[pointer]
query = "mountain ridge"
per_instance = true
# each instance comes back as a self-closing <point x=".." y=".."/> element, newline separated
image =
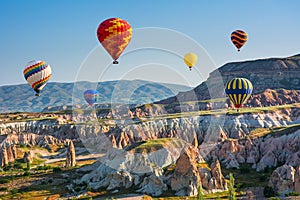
<point x="15" y="98"/>
<point x="267" y="73"/>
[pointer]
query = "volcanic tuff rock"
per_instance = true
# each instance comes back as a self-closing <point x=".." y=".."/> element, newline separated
<point x="285" y="179"/>
<point x="270" y="73"/>
<point x="209" y="128"/>
<point x="70" y="155"/>
<point x="186" y="177"/>
<point x="8" y="152"/>
<point x="28" y="157"/>
<point x="274" y="97"/>
<point x="261" y="152"/>
<point x="120" y="168"/>
<point x="144" y="171"/>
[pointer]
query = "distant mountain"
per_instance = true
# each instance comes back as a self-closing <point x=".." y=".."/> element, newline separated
<point x="270" y="73"/>
<point x="16" y="98"/>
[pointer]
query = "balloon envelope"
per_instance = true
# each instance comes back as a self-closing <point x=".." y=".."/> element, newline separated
<point x="190" y="59"/>
<point x="114" y="34"/>
<point x="238" y="90"/>
<point x="37" y="73"/>
<point x="239" y="38"/>
<point x="91" y="96"/>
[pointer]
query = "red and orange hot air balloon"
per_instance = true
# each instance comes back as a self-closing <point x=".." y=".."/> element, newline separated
<point x="239" y="38"/>
<point x="114" y="34"/>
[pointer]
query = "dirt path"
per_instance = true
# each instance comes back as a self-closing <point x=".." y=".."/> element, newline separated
<point x="78" y="158"/>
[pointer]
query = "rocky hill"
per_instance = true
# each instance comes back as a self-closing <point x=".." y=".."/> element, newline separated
<point x="270" y="73"/>
<point x="20" y="98"/>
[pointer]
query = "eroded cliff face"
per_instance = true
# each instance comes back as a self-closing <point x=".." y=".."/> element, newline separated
<point x="8" y="143"/>
<point x="154" y="174"/>
<point x="260" y="152"/>
<point x="198" y="130"/>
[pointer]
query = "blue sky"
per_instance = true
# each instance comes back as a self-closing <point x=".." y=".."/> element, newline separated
<point x="63" y="33"/>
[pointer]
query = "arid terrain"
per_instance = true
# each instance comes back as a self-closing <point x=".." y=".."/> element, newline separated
<point x="160" y="150"/>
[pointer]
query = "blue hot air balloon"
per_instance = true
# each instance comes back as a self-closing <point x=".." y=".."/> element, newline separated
<point x="91" y="96"/>
<point x="238" y="90"/>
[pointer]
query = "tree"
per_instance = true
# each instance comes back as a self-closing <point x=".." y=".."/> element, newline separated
<point x="231" y="187"/>
<point x="28" y="166"/>
<point x="200" y="195"/>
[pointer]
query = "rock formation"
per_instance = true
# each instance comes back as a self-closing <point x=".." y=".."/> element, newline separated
<point x="70" y="155"/>
<point x="28" y="157"/>
<point x="186" y="178"/>
<point x="260" y="152"/>
<point x="7" y="154"/>
<point x="297" y="180"/>
<point x="285" y="179"/>
<point x="3" y="157"/>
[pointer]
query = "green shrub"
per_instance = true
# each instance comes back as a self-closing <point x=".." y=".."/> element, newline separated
<point x="293" y="193"/>
<point x="26" y="173"/>
<point x="88" y="188"/>
<point x="56" y="169"/>
<point x="3" y="188"/>
<point x="273" y="198"/>
<point x="269" y="191"/>
<point x="44" y="167"/>
<point x="18" y="165"/>
<point x="4" y="180"/>
<point x="245" y="169"/>
<point x="14" y="191"/>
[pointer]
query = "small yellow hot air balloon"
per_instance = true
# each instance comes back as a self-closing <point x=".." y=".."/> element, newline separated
<point x="190" y="59"/>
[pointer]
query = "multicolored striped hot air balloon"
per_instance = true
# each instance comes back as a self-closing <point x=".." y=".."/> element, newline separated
<point x="114" y="34"/>
<point x="238" y="90"/>
<point x="190" y="60"/>
<point x="91" y="96"/>
<point x="37" y="73"/>
<point x="239" y="38"/>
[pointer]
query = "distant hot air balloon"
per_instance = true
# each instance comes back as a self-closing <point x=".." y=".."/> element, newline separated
<point x="114" y="34"/>
<point x="37" y="73"/>
<point x="238" y="90"/>
<point x="190" y="60"/>
<point x="91" y="96"/>
<point x="239" y="38"/>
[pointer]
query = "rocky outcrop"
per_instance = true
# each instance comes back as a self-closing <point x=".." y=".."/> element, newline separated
<point x="30" y="139"/>
<point x="121" y="169"/>
<point x="70" y="155"/>
<point x="144" y="171"/>
<point x="285" y="179"/>
<point x="28" y="157"/>
<point x="297" y="179"/>
<point x="274" y="97"/>
<point x="3" y="157"/>
<point x="261" y="152"/>
<point x="7" y="154"/>
<point x="217" y="180"/>
<point x="186" y="178"/>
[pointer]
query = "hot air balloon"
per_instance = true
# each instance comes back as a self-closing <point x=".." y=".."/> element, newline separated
<point x="238" y="90"/>
<point x="190" y="59"/>
<point x="114" y="34"/>
<point x="91" y="96"/>
<point x="239" y="38"/>
<point x="37" y="73"/>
